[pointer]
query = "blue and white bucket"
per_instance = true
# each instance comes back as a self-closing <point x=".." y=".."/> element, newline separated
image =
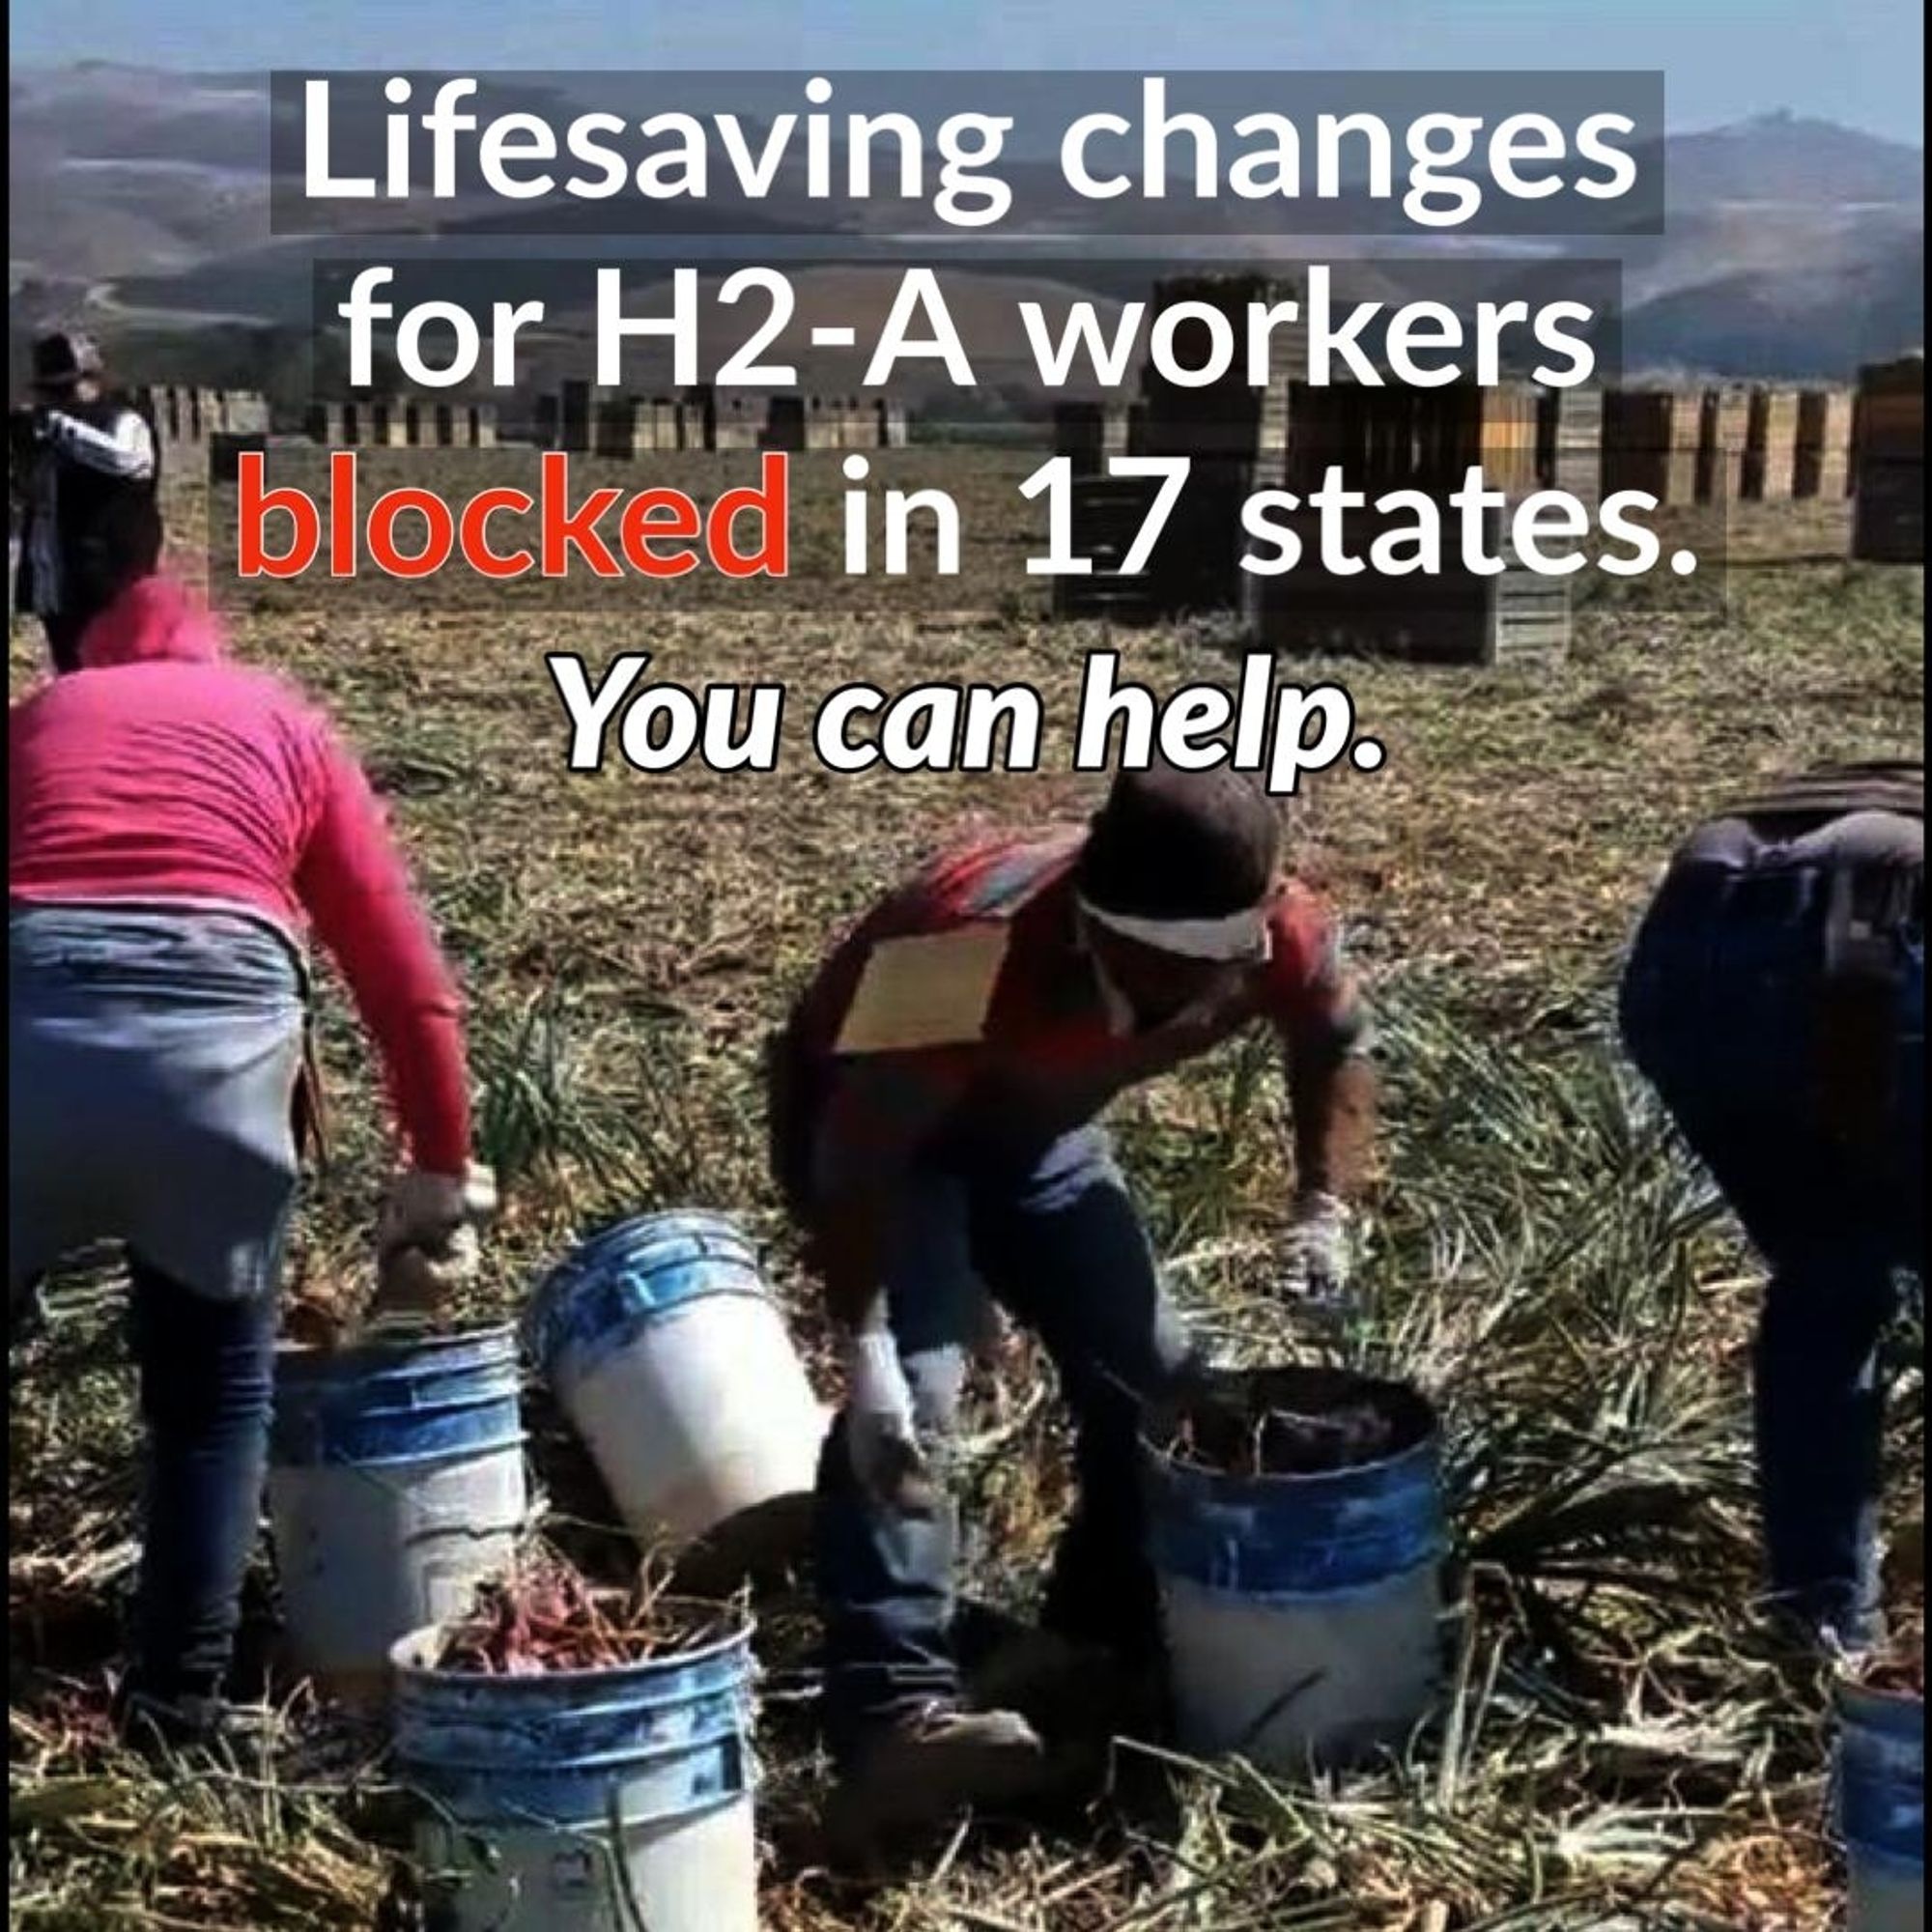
<point x="1882" y="1809"/>
<point x="396" y="1483"/>
<point x="1302" y="1613"/>
<point x="672" y="1361"/>
<point x="585" y="1801"/>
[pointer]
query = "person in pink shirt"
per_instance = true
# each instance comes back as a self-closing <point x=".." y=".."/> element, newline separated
<point x="178" y="825"/>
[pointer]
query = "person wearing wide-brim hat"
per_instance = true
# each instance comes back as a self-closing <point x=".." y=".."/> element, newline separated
<point x="92" y="519"/>
<point x="933" y="1114"/>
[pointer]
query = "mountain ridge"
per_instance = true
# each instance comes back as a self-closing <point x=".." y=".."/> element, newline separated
<point x="1794" y="246"/>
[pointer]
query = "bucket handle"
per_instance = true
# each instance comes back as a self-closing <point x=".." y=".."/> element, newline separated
<point x="622" y="1889"/>
<point x="1274" y="1707"/>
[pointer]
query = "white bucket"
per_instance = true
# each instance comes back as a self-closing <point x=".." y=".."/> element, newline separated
<point x="1361" y="1667"/>
<point x="585" y="1801"/>
<point x="1880" y="1807"/>
<point x="697" y="1874"/>
<point x="396" y="1483"/>
<point x="1302" y="1613"/>
<point x="674" y="1365"/>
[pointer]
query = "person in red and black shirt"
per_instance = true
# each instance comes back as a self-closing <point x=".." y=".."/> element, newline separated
<point x="933" y="1106"/>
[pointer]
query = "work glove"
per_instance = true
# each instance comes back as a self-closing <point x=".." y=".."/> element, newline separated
<point x="881" y="1435"/>
<point x="1316" y="1265"/>
<point x="426" y="1245"/>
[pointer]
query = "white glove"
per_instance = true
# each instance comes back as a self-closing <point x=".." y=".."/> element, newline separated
<point x="425" y="1211"/>
<point x="426" y="1244"/>
<point x="1315" y="1268"/>
<point x="881" y="1435"/>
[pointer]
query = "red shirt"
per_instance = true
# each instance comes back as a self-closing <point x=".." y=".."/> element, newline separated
<point x="1039" y="1054"/>
<point x="158" y="773"/>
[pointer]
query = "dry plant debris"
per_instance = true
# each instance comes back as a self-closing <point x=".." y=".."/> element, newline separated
<point x="544" y="1616"/>
<point x="1619" y="1744"/>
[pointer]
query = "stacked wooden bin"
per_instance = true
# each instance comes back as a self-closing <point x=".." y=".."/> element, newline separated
<point x="1385" y="438"/>
<point x="1651" y="443"/>
<point x="1723" y="425"/>
<point x="1888" y="486"/>
<point x="1569" y="443"/>
<point x="1820" y="464"/>
<point x="1232" y="434"/>
<point x="1771" y="447"/>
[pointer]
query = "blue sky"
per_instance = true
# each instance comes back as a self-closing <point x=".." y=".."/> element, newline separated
<point x="1855" y="60"/>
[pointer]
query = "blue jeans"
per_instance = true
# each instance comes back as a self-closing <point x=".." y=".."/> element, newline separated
<point x="207" y="1377"/>
<point x="1059" y="1244"/>
<point x="153" y="1051"/>
<point x="1719" y="1007"/>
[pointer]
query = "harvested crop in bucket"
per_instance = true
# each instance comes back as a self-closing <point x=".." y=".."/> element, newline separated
<point x="545" y="1617"/>
<point x="583" y="1758"/>
<point x="1301" y="1422"/>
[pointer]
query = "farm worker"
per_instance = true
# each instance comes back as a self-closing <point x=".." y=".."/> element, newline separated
<point x="934" y="1104"/>
<point x="175" y="823"/>
<point x="1776" y="998"/>
<point x="92" y="519"/>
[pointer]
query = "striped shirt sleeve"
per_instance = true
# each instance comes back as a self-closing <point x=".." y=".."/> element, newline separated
<point x="128" y="449"/>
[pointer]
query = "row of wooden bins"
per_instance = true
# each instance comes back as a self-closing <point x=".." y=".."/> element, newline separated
<point x="1888" y="492"/>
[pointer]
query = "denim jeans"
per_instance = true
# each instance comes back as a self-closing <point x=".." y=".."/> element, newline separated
<point x="1719" y="1007"/>
<point x="1059" y="1244"/>
<point x="207" y="1376"/>
<point x="153" y="1052"/>
<point x="152" y="1061"/>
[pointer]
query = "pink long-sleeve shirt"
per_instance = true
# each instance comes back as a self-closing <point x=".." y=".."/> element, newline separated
<point x="159" y="772"/>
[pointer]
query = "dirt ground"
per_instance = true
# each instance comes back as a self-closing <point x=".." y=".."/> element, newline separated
<point x="1620" y="1749"/>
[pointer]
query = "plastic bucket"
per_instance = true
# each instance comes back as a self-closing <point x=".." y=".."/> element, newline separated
<point x="673" y="1363"/>
<point x="1302" y="1613"/>
<point x="396" y="1483"/>
<point x="1882" y="1809"/>
<point x="585" y="1801"/>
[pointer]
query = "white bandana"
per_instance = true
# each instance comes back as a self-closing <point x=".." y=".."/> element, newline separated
<point x="1242" y="937"/>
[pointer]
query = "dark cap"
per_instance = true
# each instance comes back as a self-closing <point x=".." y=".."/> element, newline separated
<point x="65" y="357"/>
<point x="1175" y="845"/>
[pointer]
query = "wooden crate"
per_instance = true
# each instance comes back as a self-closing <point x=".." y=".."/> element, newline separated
<point x="1229" y="421"/>
<point x="1570" y="442"/>
<point x="1515" y="618"/>
<point x="1367" y="430"/>
<point x="1889" y="463"/>
<point x="573" y="417"/>
<point x="618" y="427"/>
<point x="1723" y="422"/>
<point x="1771" y="447"/>
<point x="710" y="420"/>
<point x="1891" y="411"/>
<point x="785" y="423"/>
<point x="1888" y="512"/>
<point x="1195" y="565"/>
<point x="1106" y="513"/>
<point x="1463" y="425"/>
<point x="1650" y="443"/>
<point x="839" y="422"/>
<point x="1088" y="433"/>
<point x="1221" y="424"/>
<point x="1821" y="459"/>
<point x="225" y="449"/>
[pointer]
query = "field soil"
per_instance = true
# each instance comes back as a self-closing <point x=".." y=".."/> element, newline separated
<point x="1621" y="1740"/>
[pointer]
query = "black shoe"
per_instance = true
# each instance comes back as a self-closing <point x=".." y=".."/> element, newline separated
<point x="161" y="1727"/>
<point x="921" y="1768"/>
